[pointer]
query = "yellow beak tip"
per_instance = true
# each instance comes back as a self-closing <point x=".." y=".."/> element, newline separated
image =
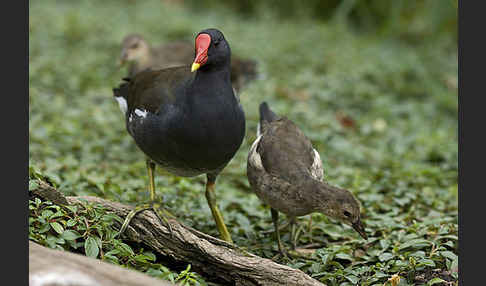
<point x="195" y="67"/>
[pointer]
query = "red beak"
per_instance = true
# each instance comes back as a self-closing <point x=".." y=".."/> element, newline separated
<point x="202" y="45"/>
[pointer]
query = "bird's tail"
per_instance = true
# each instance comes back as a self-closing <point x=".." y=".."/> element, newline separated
<point x="122" y="89"/>
<point x="266" y="116"/>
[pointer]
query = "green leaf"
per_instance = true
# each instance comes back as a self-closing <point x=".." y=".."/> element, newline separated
<point x="426" y="262"/>
<point x="344" y="256"/>
<point x="449" y="254"/>
<point x="334" y="231"/>
<point x="401" y="201"/>
<point x="142" y="258"/>
<point x="91" y="247"/>
<point x="70" y="235"/>
<point x="384" y="243"/>
<point x="126" y="248"/>
<point x="71" y="222"/>
<point x="112" y="258"/>
<point x="72" y="208"/>
<point x="44" y="228"/>
<point x="385" y="256"/>
<point x="435" y="281"/>
<point x="353" y="279"/>
<point x="113" y="252"/>
<point x="154" y="272"/>
<point x="33" y="185"/>
<point x="111" y="217"/>
<point x="419" y="254"/>
<point x="47" y="214"/>
<point x="454" y="237"/>
<point x="415" y="243"/>
<point x="315" y="267"/>
<point x="57" y="227"/>
<point x="449" y="243"/>
<point x="150" y="256"/>
<point x="53" y="241"/>
<point x="454" y="268"/>
<point x="56" y="214"/>
<point x="326" y="258"/>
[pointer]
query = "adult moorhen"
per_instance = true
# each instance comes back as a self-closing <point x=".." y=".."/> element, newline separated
<point x="285" y="172"/>
<point x="186" y="119"/>
<point x="141" y="56"/>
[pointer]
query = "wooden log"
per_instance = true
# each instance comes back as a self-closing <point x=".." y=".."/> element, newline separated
<point x="50" y="267"/>
<point x="210" y="256"/>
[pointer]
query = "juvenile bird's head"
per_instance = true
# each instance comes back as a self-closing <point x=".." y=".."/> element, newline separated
<point x="341" y="205"/>
<point x="134" y="48"/>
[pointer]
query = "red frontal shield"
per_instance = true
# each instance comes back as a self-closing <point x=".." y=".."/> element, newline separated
<point x="202" y="45"/>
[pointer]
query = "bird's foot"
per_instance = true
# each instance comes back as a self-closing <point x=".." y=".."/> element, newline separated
<point x="287" y="255"/>
<point x="159" y="211"/>
<point x="282" y="256"/>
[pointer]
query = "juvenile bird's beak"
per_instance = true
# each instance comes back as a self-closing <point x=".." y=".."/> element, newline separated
<point x="202" y="45"/>
<point x="358" y="226"/>
<point x="121" y="61"/>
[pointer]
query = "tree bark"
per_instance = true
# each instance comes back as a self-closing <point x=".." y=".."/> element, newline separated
<point x="50" y="267"/>
<point x="208" y="255"/>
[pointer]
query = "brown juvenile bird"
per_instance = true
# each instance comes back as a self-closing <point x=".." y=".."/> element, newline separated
<point x="285" y="172"/>
<point x="141" y="56"/>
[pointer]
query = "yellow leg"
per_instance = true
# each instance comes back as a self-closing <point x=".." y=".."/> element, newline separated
<point x="152" y="205"/>
<point x="150" y="171"/>
<point x="218" y="218"/>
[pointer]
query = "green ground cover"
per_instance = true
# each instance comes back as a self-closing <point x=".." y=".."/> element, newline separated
<point x="380" y="109"/>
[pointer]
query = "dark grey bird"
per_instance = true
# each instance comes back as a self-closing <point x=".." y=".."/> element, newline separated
<point x="186" y="119"/>
<point x="285" y="172"/>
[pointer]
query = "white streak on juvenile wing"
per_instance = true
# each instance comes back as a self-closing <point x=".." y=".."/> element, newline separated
<point x="254" y="158"/>
<point x="316" y="169"/>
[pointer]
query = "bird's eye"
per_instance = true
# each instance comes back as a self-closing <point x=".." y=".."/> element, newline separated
<point x="217" y="42"/>
<point x="347" y="214"/>
<point x="134" y="46"/>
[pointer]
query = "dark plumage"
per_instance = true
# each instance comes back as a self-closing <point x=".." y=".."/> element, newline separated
<point x="189" y="123"/>
<point x="142" y="56"/>
<point x="285" y="172"/>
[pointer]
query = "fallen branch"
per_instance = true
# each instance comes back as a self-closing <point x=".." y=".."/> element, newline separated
<point x="56" y="267"/>
<point x="207" y="255"/>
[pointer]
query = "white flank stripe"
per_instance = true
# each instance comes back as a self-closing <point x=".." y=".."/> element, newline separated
<point x="316" y="169"/>
<point x="141" y="113"/>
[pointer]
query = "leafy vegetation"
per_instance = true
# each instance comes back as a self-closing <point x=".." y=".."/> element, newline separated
<point x="380" y="109"/>
<point x="90" y="229"/>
